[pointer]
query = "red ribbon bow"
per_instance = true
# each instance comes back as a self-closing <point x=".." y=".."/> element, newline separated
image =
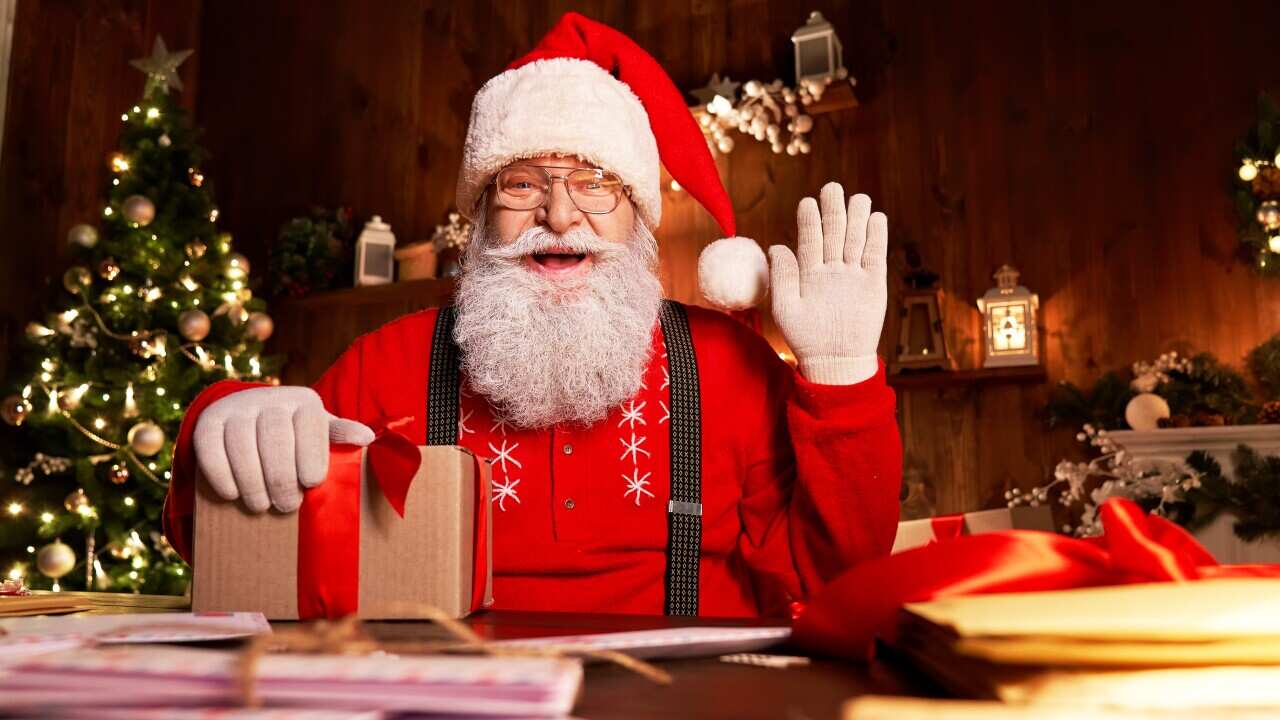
<point x="846" y="615"/>
<point x="328" y="583"/>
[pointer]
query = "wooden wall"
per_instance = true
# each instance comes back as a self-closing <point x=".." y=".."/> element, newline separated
<point x="1088" y="143"/>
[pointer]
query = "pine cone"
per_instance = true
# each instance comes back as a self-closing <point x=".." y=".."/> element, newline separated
<point x="1267" y="184"/>
<point x="1271" y="413"/>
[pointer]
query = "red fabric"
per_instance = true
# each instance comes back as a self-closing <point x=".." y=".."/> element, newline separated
<point x="947" y="527"/>
<point x="328" y="584"/>
<point x="681" y="145"/>
<point x="844" y="618"/>
<point x="800" y="481"/>
<point x="394" y="460"/>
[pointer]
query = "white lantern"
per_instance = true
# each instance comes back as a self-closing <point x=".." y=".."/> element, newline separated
<point x="375" y="254"/>
<point x="819" y="54"/>
<point x="1009" y="321"/>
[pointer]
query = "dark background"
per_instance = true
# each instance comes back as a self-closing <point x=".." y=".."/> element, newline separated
<point x="1088" y="143"/>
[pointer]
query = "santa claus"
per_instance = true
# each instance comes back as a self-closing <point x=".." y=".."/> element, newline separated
<point x="648" y="457"/>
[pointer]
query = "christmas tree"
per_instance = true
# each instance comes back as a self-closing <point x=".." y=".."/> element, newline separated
<point x="155" y="308"/>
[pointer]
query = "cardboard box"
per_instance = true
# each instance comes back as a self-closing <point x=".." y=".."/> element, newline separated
<point x="247" y="562"/>
<point x="917" y="533"/>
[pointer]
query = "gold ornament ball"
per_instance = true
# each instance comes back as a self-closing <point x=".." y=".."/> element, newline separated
<point x="76" y="500"/>
<point x="194" y="325"/>
<point x="108" y="269"/>
<point x="76" y="279"/>
<point x="118" y="473"/>
<point x="146" y="438"/>
<point x="1145" y="410"/>
<point x="196" y="249"/>
<point x="14" y="409"/>
<point x="139" y="209"/>
<point x="260" y="326"/>
<point x="85" y="236"/>
<point x="55" y="559"/>
<point x="1269" y="214"/>
<point x="237" y="265"/>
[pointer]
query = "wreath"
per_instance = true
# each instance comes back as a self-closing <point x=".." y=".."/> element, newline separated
<point x="1257" y="190"/>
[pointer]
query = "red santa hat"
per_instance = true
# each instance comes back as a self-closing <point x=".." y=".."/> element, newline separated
<point x="591" y="92"/>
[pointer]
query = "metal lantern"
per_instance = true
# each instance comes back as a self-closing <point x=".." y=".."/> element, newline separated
<point x="819" y="54"/>
<point x="1009" y="321"/>
<point x="375" y="254"/>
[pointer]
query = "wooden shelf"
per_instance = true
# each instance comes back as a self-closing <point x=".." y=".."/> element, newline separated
<point x="839" y="95"/>
<point x="939" y="379"/>
<point x="406" y="290"/>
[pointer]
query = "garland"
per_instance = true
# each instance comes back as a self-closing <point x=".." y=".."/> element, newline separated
<point x="1257" y="190"/>
<point x="1253" y="496"/>
<point x="1200" y="391"/>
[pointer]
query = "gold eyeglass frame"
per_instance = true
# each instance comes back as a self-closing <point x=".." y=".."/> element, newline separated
<point x="551" y="181"/>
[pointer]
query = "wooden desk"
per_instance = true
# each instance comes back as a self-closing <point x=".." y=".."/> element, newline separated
<point x="703" y="688"/>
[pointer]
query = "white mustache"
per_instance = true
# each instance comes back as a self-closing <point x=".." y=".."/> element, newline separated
<point x="540" y="240"/>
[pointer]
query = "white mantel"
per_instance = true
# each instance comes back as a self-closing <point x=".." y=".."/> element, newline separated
<point x="1219" y="442"/>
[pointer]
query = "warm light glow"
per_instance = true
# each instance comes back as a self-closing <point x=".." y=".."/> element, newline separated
<point x="255" y="367"/>
<point x="1248" y="171"/>
<point x="1008" y="327"/>
<point x="1274" y="243"/>
<point x="178" y="571"/>
<point x="106" y="211"/>
<point x="74" y="395"/>
<point x="213" y="215"/>
<point x="99" y="423"/>
<point x="31" y="549"/>
<point x="128" y="289"/>
<point x="56" y="587"/>
<point x="151" y="294"/>
<point x="137" y="109"/>
<point x="119" y="163"/>
<point x="46" y="377"/>
<point x="87" y="511"/>
<point x="153" y="113"/>
<point x="16" y="572"/>
<point x="70" y="315"/>
<point x="130" y="405"/>
<point x="133" y="574"/>
<point x="138" y="562"/>
<point x="128" y="500"/>
<point x="124" y="117"/>
<point x="15" y="508"/>
<point x="46" y="517"/>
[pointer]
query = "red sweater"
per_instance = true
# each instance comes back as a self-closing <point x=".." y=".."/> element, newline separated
<point x="799" y="481"/>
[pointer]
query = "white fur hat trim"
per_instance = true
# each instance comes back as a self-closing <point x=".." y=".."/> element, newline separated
<point x="561" y="106"/>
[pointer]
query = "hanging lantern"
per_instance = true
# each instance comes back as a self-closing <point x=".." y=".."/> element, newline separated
<point x="1009" y="321"/>
<point x="819" y="54"/>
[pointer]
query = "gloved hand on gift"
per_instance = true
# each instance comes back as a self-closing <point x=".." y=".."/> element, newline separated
<point x="264" y="445"/>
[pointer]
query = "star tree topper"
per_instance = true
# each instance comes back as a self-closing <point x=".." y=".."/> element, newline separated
<point x="162" y="67"/>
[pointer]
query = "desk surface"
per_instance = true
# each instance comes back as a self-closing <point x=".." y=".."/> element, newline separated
<point x="703" y="688"/>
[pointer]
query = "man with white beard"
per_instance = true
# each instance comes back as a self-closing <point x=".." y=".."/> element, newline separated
<point x="648" y="457"/>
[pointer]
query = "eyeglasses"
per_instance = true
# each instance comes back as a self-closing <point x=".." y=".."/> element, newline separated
<point x="527" y="187"/>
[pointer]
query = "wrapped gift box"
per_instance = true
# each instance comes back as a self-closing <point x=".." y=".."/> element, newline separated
<point x="918" y="533"/>
<point x="392" y="529"/>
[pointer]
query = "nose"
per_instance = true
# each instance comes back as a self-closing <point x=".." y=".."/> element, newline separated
<point x="560" y="214"/>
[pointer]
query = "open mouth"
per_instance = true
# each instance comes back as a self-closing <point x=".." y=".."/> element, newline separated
<point x="558" y="263"/>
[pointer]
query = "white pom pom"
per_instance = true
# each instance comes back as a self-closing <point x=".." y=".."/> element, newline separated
<point x="733" y="273"/>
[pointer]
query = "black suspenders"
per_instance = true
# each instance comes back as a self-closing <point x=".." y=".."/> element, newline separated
<point x="684" y="509"/>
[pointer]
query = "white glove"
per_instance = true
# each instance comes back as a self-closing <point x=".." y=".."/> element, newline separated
<point x="830" y="306"/>
<point x="265" y="444"/>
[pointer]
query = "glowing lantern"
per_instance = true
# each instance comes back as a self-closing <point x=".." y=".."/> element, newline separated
<point x="1009" y="321"/>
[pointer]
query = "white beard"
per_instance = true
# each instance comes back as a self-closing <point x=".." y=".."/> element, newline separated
<point x="546" y="352"/>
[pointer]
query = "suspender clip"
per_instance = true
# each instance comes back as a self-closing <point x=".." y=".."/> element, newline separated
<point x="681" y="507"/>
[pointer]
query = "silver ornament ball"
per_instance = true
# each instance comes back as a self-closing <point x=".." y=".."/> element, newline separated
<point x="139" y="209"/>
<point x="260" y="326"/>
<point x="194" y="325"/>
<point x="55" y="559"/>
<point x="146" y="438"/>
<point x="85" y="236"/>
